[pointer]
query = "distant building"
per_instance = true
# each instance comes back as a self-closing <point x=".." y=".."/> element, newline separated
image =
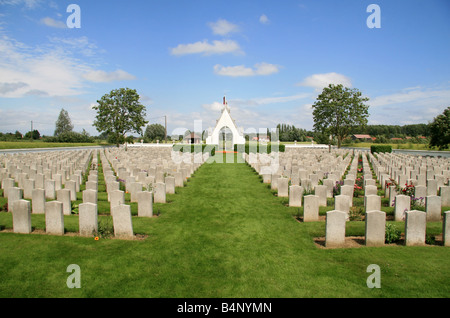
<point x="362" y="137"/>
<point x="192" y="138"/>
<point x="261" y="138"/>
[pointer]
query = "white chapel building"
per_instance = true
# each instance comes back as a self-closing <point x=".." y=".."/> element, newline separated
<point x="225" y="129"/>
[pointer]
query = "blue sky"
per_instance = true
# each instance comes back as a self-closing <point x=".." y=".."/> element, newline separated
<point x="270" y="58"/>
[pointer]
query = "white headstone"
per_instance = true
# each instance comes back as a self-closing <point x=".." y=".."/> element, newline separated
<point x="415" y="227"/>
<point x="21" y="217"/>
<point x="375" y="228"/>
<point x="54" y="218"/>
<point x="335" y="228"/>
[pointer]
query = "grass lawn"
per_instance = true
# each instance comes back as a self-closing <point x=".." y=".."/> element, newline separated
<point x="223" y="235"/>
<point x="41" y="144"/>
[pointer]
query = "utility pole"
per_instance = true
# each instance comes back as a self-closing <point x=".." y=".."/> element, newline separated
<point x="31" y="127"/>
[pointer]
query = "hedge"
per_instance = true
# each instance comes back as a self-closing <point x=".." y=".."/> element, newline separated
<point x="257" y="148"/>
<point x="69" y="136"/>
<point x="380" y="148"/>
<point x="254" y="148"/>
<point x="196" y="148"/>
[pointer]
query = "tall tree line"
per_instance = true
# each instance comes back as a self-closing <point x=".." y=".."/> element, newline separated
<point x="291" y="133"/>
<point x="392" y="131"/>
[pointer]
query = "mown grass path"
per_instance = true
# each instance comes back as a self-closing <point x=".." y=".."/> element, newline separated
<point x="224" y="235"/>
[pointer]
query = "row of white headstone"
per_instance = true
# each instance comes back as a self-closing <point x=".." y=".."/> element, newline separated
<point x="375" y="224"/>
<point x="299" y="165"/>
<point x="157" y="181"/>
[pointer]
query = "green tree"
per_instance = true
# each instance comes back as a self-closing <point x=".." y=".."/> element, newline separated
<point x="321" y="138"/>
<point x="33" y="135"/>
<point x="18" y="134"/>
<point x="63" y="123"/>
<point x="440" y="130"/>
<point x="155" y="132"/>
<point x="103" y="136"/>
<point x="338" y="110"/>
<point x="118" y="113"/>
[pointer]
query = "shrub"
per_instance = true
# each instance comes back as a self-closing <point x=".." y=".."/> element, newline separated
<point x="380" y="148"/>
<point x="196" y="148"/>
<point x="74" y="208"/>
<point x="430" y="239"/>
<point x="35" y="135"/>
<point x="337" y="188"/>
<point x="70" y="136"/>
<point x="258" y="148"/>
<point x="358" y="187"/>
<point x="355" y="213"/>
<point x="105" y="228"/>
<point x="392" y="234"/>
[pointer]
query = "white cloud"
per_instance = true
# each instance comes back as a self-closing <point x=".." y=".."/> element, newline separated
<point x="206" y="48"/>
<point x="100" y="76"/>
<point x="144" y="99"/>
<point x="411" y="105"/>
<point x="259" y="101"/>
<point x="223" y="27"/>
<point x="264" y="19"/>
<point x="80" y="45"/>
<point x="240" y="70"/>
<point x="11" y="87"/>
<point x="234" y="71"/>
<point x="319" y="81"/>
<point x="412" y="95"/>
<point x="307" y="109"/>
<point x="46" y="70"/>
<point x="29" y="4"/>
<point x="281" y="99"/>
<point x="53" y="23"/>
<point x="215" y="106"/>
<point x="54" y="5"/>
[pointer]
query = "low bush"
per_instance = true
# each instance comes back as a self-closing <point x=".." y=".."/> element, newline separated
<point x="380" y="148"/>
<point x="70" y="136"/>
<point x="260" y="148"/>
<point x="105" y="228"/>
<point x="196" y="148"/>
<point x="392" y="234"/>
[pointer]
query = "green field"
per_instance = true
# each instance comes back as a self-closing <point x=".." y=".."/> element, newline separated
<point x="225" y="234"/>
<point x="41" y="144"/>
